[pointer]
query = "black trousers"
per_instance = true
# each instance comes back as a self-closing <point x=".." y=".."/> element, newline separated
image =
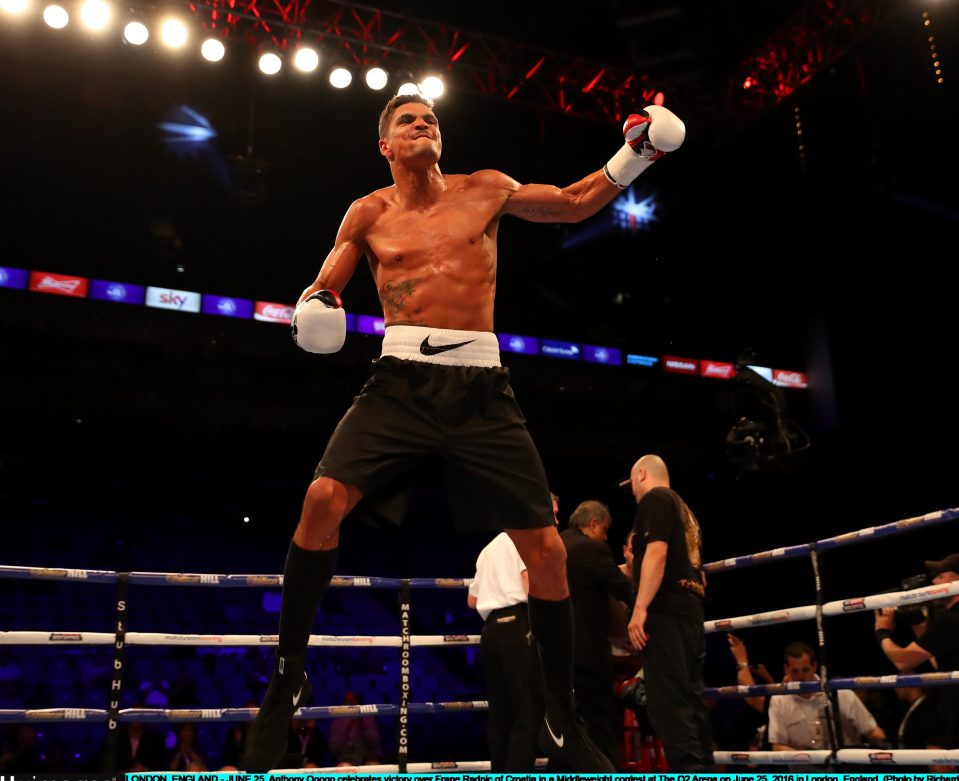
<point x="673" y="666"/>
<point x="514" y="689"/>
<point x="596" y="705"/>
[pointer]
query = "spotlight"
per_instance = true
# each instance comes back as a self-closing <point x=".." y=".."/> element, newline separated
<point x="95" y="14"/>
<point x="408" y="89"/>
<point x="341" y="78"/>
<point x="136" y="33"/>
<point x="212" y="50"/>
<point x="270" y="64"/>
<point x="376" y="78"/>
<point x="432" y="87"/>
<point x="173" y="33"/>
<point x="56" y="17"/>
<point x="14" y="6"/>
<point x="306" y="59"/>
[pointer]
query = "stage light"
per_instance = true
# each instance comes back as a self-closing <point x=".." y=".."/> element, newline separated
<point x="14" y="6"/>
<point x="212" y="50"/>
<point x="408" y="89"/>
<point x="270" y="64"/>
<point x="173" y="33"/>
<point x="432" y="87"/>
<point x="376" y="78"/>
<point x="95" y="14"/>
<point x="306" y="59"/>
<point x="56" y="17"/>
<point x="136" y="33"/>
<point x="341" y="78"/>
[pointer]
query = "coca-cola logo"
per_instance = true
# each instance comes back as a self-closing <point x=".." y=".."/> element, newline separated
<point x="274" y="313"/>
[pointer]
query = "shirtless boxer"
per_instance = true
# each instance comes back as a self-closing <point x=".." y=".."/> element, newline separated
<point x="439" y="390"/>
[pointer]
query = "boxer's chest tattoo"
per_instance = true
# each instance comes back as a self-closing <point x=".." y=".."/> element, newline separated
<point x="395" y="295"/>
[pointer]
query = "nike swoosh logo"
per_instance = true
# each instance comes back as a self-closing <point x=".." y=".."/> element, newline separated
<point x="296" y="699"/>
<point x="428" y="349"/>
<point x="558" y="741"/>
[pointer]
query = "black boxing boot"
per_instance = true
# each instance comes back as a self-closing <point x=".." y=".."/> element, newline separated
<point x="266" y="742"/>
<point x="562" y="736"/>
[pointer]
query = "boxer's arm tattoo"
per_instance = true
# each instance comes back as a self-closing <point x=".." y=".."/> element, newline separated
<point x="394" y="295"/>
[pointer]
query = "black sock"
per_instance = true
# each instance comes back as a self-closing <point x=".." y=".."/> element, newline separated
<point x="305" y="578"/>
<point x="551" y="622"/>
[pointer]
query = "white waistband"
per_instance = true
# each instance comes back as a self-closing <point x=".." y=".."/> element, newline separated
<point x="441" y="345"/>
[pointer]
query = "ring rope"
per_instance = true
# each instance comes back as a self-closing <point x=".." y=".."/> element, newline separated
<point x="836" y="608"/>
<point x="211" y="579"/>
<point x="216" y="579"/>
<point x="834" y="684"/>
<point x="850" y="756"/>
<point x="841" y="540"/>
<point x="120" y="638"/>
<point x="22" y="716"/>
<point x="225" y="641"/>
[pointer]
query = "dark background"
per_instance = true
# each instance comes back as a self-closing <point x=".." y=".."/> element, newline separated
<point x="139" y="439"/>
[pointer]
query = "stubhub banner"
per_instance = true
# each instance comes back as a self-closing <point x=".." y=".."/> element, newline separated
<point x="180" y="300"/>
<point x="118" y="292"/>
<point x="14" y="277"/>
<point x="228" y="307"/>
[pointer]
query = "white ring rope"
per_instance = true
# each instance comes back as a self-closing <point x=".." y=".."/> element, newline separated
<point x="224" y="641"/>
<point x="20" y="716"/>
<point x="859" y="682"/>
<point x="850" y="756"/>
<point x="837" y="608"/>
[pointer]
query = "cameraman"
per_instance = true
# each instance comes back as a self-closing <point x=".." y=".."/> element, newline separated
<point x="937" y="641"/>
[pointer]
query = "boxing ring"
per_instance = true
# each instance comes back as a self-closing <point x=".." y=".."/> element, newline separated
<point x="120" y="639"/>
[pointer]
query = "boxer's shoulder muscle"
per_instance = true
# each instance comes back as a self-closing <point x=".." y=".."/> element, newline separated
<point x="492" y="180"/>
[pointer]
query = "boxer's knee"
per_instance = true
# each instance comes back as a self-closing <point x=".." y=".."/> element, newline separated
<point x="549" y="555"/>
<point x="544" y="554"/>
<point x="325" y="505"/>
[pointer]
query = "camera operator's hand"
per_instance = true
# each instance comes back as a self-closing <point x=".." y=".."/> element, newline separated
<point x="886" y="619"/>
<point x="762" y="673"/>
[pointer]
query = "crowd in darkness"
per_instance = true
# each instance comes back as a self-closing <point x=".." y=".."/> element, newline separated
<point x="174" y="678"/>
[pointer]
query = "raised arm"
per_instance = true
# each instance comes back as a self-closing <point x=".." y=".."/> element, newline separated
<point x="319" y="322"/>
<point x="649" y="136"/>
<point x="547" y="203"/>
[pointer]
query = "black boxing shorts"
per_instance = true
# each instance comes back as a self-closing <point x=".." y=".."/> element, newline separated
<point x="437" y="395"/>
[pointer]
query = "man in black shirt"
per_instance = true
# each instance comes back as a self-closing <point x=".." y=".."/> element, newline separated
<point x="937" y="643"/>
<point x="593" y="578"/>
<point x="667" y="618"/>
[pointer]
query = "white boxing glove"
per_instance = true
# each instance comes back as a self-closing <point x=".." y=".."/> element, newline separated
<point x="319" y="323"/>
<point x="649" y="136"/>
